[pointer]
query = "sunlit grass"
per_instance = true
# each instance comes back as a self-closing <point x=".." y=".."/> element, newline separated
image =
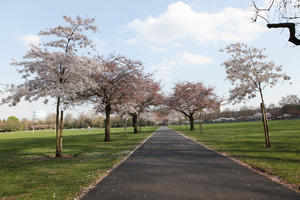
<point x="245" y="141"/>
<point x="29" y="171"/>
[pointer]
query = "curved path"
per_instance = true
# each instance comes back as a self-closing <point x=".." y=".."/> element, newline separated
<point x="170" y="166"/>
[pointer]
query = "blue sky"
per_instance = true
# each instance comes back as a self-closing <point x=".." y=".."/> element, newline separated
<point x="179" y="40"/>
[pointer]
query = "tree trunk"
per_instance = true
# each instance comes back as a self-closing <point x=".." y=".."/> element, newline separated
<point x="134" y="123"/>
<point x="61" y="132"/>
<point x="57" y="127"/>
<point x="107" y="123"/>
<point x="192" y="127"/>
<point x="125" y="126"/>
<point x="200" y="122"/>
<point x="140" y="125"/>
<point x="265" y="121"/>
<point x="266" y="126"/>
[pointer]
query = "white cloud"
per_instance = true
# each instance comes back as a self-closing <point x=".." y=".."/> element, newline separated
<point x="165" y="68"/>
<point x="30" y="39"/>
<point x="194" y="59"/>
<point x="158" y="49"/>
<point x="178" y="44"/>
<point x="99" y="43"/>
<point x="131" y="41"/>
<point x="181" y="22"/>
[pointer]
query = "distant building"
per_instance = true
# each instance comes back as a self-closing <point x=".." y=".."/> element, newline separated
<point x="39" y="115"/>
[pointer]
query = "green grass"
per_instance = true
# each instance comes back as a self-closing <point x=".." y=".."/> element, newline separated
<point x="245" y="141"/>
<point x="29" y="171"/>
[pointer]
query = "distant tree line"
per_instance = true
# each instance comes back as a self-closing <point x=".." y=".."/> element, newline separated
<point x="12" y="123"/>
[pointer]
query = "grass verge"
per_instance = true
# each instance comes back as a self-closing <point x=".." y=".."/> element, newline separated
<point x="29" y="171"/>
<point x="245" y="141"/>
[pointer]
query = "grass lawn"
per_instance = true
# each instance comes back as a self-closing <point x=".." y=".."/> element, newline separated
<point x="29" y="171"/>
<point x="245" y="141"/>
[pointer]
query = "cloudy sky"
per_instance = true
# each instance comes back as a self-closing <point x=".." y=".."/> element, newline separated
<point x="178" y="40"/>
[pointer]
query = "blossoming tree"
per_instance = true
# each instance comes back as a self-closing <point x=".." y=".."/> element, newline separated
<point x="148" y="94"/>
<point x="110" y="82"/>
<point x="191" y="97"/>
<point x="249" y="73"/>
<point x="53" y="69"/>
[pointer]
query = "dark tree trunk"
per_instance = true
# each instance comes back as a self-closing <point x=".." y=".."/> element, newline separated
<point x="107" y="123"/>
<point x="140" y="125"/>
<point x="134" y="123"/>
<point x="266" y="126"/>
<point x="61" y="132"/>
<point x="57" y="127"/>
<point x="191" y="118"/>
<point x="265" y="121"/>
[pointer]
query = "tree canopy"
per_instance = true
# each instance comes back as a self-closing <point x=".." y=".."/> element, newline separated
<point x="13" y="124"/>
<point x="108" y="83"/>
<point x="290" y="99"/>
<point x="249" y="72"/>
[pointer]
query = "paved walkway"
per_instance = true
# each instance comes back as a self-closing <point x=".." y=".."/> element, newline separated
<point x="170" y="166"/>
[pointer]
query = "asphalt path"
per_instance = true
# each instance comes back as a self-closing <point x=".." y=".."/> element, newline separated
<point x="170" y="166"/>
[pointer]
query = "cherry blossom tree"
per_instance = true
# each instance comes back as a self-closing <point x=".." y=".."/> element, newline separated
<point x="109" y="83"/>
<point x="189" y="98"/>
<point x="249" y="73"/>
<point x="148" y="94"/>
<point x="53" y="69"/>
<point x="280" y="14"/>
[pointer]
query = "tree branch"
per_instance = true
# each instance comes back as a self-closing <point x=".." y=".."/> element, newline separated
<point x="291" y="26"/>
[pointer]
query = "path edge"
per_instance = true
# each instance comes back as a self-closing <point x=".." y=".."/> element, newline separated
<point x="260" y="171"/>
<point x="84" y="191"/>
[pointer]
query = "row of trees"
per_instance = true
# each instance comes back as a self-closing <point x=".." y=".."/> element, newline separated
<point x="56" y="70"/>
<point x="289" y="104"/>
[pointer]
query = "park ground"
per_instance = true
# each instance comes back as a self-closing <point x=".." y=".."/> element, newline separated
<point x="245" y="141"/>
<point x="28" y="169"/>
